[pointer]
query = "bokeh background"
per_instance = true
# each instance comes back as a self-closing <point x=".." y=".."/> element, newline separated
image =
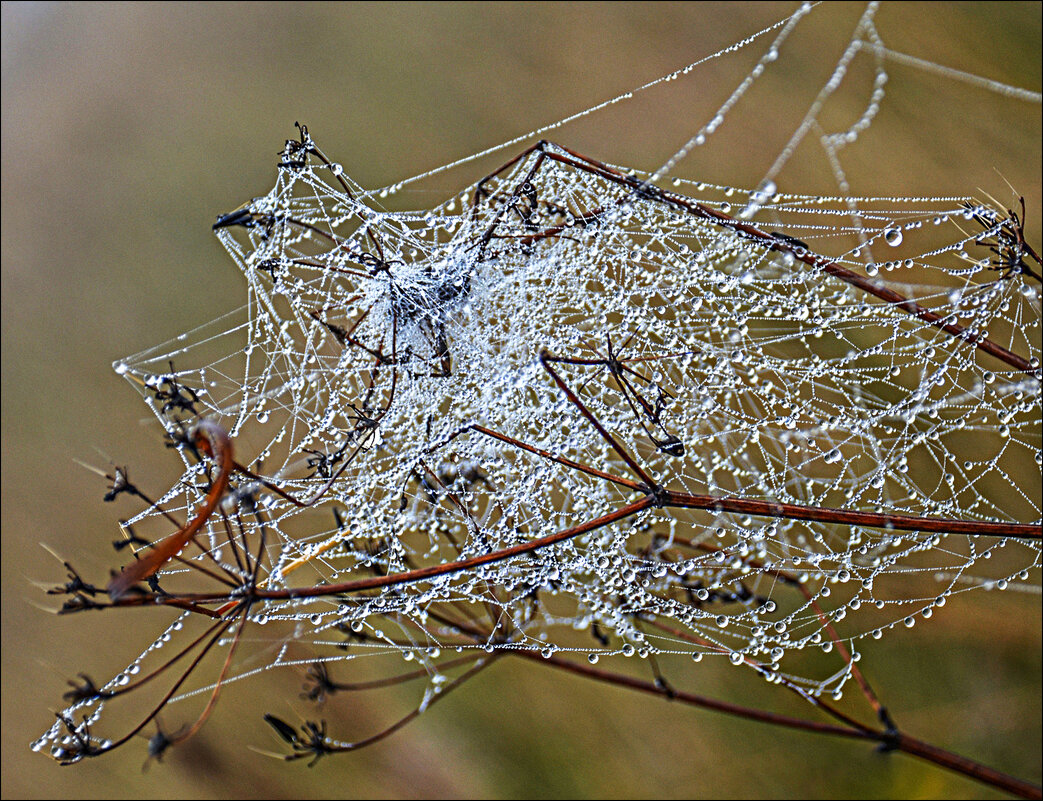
<point x="127" y="128"/>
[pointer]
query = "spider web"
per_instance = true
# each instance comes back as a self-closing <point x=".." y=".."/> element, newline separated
<point x="396" y="370"/>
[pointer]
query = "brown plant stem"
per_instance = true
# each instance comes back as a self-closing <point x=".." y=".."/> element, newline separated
<point x="645" y="190"/>
<point x="211" y="438"/>
<point x="888" y="740"/>
<point x="663" y="499"/>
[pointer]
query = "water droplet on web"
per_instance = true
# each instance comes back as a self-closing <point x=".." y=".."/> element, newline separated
<point x="893" y="236"/>
<point x="759" y="197"/>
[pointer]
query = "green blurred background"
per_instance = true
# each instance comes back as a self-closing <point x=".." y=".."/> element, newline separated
<point x="127" y="128"/>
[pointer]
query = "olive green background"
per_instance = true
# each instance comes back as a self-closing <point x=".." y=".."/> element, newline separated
<point x="127" y="128"/>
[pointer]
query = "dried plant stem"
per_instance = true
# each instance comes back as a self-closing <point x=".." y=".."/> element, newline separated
<point x="888" y="740"/>
<point x="873" y="287"/>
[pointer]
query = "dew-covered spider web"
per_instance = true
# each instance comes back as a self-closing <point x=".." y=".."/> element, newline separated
<point x="514" y="367"/>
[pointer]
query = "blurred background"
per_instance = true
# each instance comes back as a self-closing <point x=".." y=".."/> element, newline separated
<point x="127" y="128"/>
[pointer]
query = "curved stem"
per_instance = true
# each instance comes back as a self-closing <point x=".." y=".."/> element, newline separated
<point x="210" y="438"/>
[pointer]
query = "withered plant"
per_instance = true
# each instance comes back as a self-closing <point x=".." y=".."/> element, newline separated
<point x="575" y="417"/>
